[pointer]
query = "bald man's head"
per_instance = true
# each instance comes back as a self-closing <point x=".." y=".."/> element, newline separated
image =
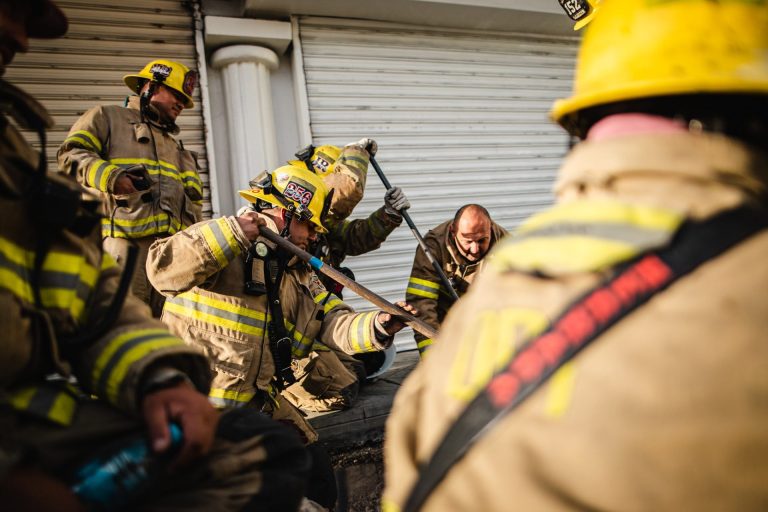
<point x="471" y="228"/>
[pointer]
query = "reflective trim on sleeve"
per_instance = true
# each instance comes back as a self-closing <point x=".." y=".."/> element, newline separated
<point x="121" y="352"/>
<point x="161" y="223"/>
<point x="85" y="140"/>
<point x="360" y="332"/>
<point x="216" y="312"/>
<point x="422" y="288"/>
<point x="358" y="162"/>
<point x="66" y="280"/>
<point x="223" y="398"/>
<point x="98" y="174"/>
<point x="221" y="241"/>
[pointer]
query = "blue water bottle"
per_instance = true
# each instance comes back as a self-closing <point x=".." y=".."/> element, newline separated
<point x="124" y="474"/>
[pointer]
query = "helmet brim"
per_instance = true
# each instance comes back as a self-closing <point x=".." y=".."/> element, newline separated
<point x="134" y="83"/>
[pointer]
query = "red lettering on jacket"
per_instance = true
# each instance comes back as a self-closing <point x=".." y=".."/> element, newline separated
<point x="528" y="365"/>
<point x="576" y="325"/>
<point x="654" y="271"/>
<point x="552" y="346"/>
<point x="502" y="389"/>
<point x="602" y="304"/>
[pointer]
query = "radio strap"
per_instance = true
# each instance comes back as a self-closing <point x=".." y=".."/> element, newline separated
<point x="279" y="341"/>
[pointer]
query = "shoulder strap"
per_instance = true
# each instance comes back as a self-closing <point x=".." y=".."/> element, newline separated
<point x="279" y="341"/>
<point x="581" y="323"/>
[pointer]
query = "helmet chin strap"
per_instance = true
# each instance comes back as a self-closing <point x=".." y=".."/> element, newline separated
<point x="287" y="217"/>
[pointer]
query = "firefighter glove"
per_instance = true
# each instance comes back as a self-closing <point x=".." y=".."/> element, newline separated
<point x="395" y="201"/>
<point x="369" y="145"/>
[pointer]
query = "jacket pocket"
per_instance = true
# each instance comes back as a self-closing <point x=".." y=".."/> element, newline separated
<point x="230" y="357"/>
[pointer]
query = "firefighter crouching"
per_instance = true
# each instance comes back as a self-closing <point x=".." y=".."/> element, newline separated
<point x="459" y="246"/>
<point x="654" y="255"/>
<point x="120" y="375"/>
<point x="250" y="307"/>
<point x="128" y="156"/>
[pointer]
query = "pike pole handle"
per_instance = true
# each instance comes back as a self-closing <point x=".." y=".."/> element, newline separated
<point x="359" y="289"/>
<point x="435" y="265"/>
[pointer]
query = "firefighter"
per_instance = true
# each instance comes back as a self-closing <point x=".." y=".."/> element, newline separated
<point x="129" y="157"/>
<point x="82" y="364"/>
<point x="328" y="379"/>
<point x="632" y="314"/>
<point x="459" y="246"/>
<point x="251" y="307"/>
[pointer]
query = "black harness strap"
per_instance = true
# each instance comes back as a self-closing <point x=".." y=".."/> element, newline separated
<point x="279" y="341"/>
<point x="582" y="322"/>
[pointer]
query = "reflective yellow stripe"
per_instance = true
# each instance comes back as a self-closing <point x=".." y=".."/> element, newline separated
<point x="585" y="236"/>
<point x="63" y="409"/>
<point x="423" y="282"/>
<point x="332" y="303"/>
<point x="163" y="168"/>
<point x="139" y="228"/>
<point x="560" y="390"/>
<point x="604" y="212"/>
<point x="221" y="241"/>
<point x="121" y="352"/>
<point x="46" y="401"/>
<point x="217" y="312"/>
<point x="86" y="138"/>
<point x="422" y="288"/>
<point x="227" y="398"/>
<point x="423" y="344"/>
<point x="98" y="174"/>
<point x="66" y="280"/>
<point x="389" y="506"/>
<point x="360" y="332"/>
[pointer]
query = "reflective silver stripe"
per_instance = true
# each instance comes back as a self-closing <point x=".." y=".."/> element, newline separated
<point x="636" y="236"/>
<point x="185" y="306"/>
<point x="221" y="239"/>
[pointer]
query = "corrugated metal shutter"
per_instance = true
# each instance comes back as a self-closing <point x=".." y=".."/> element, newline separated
<point x="106" y="40"/>
<point x="459" y="117"/>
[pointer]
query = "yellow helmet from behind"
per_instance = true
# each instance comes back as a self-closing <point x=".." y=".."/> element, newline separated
<point x="323" y="159"/>
<point x="635" y="49"/>
<point x="172" y="74"/>
<point x="293" y="188"/>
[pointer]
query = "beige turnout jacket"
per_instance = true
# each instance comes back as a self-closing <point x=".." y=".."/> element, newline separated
<point x="76" y="288"/>
<point x="201" y="272"/>
<point x="107" y="140"/>
<point x="667" y="410"/>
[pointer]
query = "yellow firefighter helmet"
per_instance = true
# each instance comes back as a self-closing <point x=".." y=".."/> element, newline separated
<point x="294" y="188"/>
<point x="636" y="49"/>
<point x="323" y="159"/>
<point x="172" y="74"/>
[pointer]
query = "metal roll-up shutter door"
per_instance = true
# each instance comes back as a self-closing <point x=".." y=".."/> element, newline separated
<point x="460" y="117"/>
<point x="106" y="40"/>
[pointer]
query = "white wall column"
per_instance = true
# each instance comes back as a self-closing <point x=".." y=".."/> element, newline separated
<point x="245" y="71"/>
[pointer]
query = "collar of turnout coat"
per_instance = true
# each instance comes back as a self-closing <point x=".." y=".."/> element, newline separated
<point x="172" y="128"/>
